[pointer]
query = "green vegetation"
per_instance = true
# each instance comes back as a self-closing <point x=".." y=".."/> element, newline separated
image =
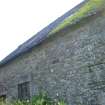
<point x="90" y="7"/>
<point x="41" y="99"/>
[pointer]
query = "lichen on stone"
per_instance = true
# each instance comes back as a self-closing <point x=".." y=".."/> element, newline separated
<point x="89" y="8"/>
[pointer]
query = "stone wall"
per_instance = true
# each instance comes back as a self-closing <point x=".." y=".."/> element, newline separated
<point x="68" y="65"/>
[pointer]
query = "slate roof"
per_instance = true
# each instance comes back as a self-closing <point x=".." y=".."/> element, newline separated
<point x="39" y="37"/>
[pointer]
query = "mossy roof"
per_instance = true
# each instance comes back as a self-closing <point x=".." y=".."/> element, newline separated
<point x="79" y="12"/>
<point x="89" y="8"/>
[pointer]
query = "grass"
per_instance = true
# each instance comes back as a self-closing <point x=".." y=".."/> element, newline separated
<point x="40" y="99"/>
<point x="90" y="7"/>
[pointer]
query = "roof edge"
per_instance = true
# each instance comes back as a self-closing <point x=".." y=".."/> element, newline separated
<point x="39" y="37"/>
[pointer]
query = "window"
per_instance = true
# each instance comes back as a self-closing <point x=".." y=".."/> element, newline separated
<point x="3" y="98"/>
<point x="24" y="91"/>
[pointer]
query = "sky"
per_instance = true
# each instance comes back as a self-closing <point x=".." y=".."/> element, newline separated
<point x="21" y="19"/>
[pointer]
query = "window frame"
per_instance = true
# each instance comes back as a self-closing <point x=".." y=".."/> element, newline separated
<point x="3" y="98"/>
<point x="24" y="91"/>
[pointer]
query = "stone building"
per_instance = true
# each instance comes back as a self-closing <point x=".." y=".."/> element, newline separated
<point x="68" y="63"/>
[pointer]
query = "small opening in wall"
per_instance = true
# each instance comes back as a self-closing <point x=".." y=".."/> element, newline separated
<point x="24" y="91"/>
<point x="55" y="61"/>
<point x="2" y="98"/>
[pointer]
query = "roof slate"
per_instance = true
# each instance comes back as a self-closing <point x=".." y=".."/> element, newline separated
<point x="39" y="37"/>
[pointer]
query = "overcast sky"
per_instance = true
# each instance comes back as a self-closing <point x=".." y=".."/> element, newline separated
<point x="21" y="19"/>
